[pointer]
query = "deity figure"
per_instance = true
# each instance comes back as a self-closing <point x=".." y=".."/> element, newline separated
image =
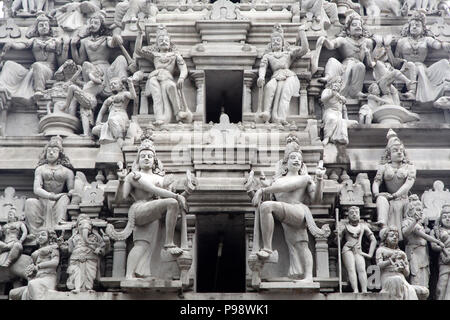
<point x="128" y="11"/>
<point x="416" y="248"/>
<point x="284" y="83"/>
<point x="72" y="16"/>
<point x="286" y="199"/>
<point x="168" y="97"/>
<point x="28" y="6"/>
<point x="412" y="50"/>
<point x="94" y="52"/>
<point x="394" y="268"/>
<point x="354" y="45"/>
<point x="320" y="11"/>
<point x="398" y="175"/>
<point x="374" y="7"/>
<point x="153" y="201"/>
<point x="42" y="273"/>
<point x="353" y="232"/>
<point x="53" y="178"/>
<point x="14" y="233"/>
<point x="335" y="117"/>
<point x="442" y="232"/>
<point x="374" y="100"/>
<point x="86" y="246"/>
<point x="23" y="84"/>
<point x="115" y="128"/>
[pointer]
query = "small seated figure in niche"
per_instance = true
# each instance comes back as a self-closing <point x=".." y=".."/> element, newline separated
<point x="416" y="248"/>
<point x="374" y="100"/>
<point x="352" y="254"/>
<point x="14" y="233"/>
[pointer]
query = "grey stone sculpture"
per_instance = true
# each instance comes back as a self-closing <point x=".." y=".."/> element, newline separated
<point x="14" y="232"/>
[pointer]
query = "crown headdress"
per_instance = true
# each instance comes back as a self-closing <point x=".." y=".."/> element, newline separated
<point x="417" y="15"/>
<point x="147" y="142"/>
<point x="161" y="31"/>
<point x="393" y="139"/>
<point x="277" y="31"/>
<point x="292" y="145"/>
<point x="56" y="141"/>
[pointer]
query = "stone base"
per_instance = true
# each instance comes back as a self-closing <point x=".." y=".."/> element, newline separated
<point x="59" y="124"/>
<point x="290" y="286"/>
<point x="108" y="155"/>
<point x="150" y="284"/>
<point x="392" y="114"/>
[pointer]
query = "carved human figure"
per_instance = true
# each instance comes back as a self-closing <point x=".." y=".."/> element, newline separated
<point x="353" y="232"/>
<point x="318" y="11"/>
<point x="95" y="52"/>
<point x="128" y="11"/>
<point x="168" y="97"/>
<point x="53" y="178"/>
<point x="413" y="49"/>
<point x="293" y="188"/>
<point x="72" y="16"/>
<point x="284" y="83"/>
<point x="442" y="232"/>
<point x="115" y="128"/>
<point x="334" y="116"/>
<point x="22" y="83"/>
<point x="354" y="45"/>
<point x="416" y="238"/>
<point x="28" y="6"/>
<point x="152" y="201"/>
<point x="374" y="100"/>
<point x="394" y="268"/>
<point x="398" y="175"/>
<point x="42" y="273"/>
<point x="374" y="7"/>
<point x="13" y="233"/>
<point x="86" y="246"/>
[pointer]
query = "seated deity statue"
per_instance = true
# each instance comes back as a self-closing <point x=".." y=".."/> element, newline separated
<point x="28" y="6"/>
<point x="318" y="13"/>
<point x="53" y="178"/>
<point x="129" y="10"/>
<point x="287" y="199"/>
<point x="394" y="267"/>
<point x="398" y="175"/>
<point x="14" y="233"/>
<point x="42" y="273"/>
<point x="284" y="83"/>
<point x="354" y="45"/>
<point x="168" y="97"/>
<point x="153" y="200"/>
<point x="375" y="7"/>
<point x="72" y="16"/>
<point x="353" y="257"/>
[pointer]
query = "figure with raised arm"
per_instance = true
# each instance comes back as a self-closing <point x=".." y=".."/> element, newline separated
<point x="14" y="233"/>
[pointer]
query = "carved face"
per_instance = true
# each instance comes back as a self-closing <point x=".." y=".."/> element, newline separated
<point x="355" y="28"/>
<point x="163" y="42"/>
<point x="397" y="153"/>
<point x="294" y="161"/>
<point x="416" y="210"/>
<point x="116" y="85"/>
<point x="277" y="43"/>
<point x="353" y="215"/>
<point x="94" y="25"/>
<point x="42" y="237"/>
<point x="52" y="154"/>
<point x="374" y="89"/>
<point x="43" y="28"/>
<point x="12" y="215"/>
<point x="146" y="159"/>
<point x="445" y="219"/>
<point x="415" y="28"/>
<point x="392" y="238"/>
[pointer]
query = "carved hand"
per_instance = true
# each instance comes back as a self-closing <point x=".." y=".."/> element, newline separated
<point x="7" y="46"/>
<point x="260" y="82"/>
<point x="182" y="201"/>
<point x="117" y="39"/>
<point x="75" y="40"/>
<point x="257" y="198"/>
<point x="180" y="83"/>
<point x="387" y="195"/>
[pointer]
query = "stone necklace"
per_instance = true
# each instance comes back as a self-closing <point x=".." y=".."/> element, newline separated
<point x="414" y="45"/>
<point x="96" y="43"/>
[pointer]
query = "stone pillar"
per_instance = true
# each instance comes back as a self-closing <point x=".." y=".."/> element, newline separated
<point x="303" y="108"/>
<point x="119" y="259"/>
<point x="199" y="78"/>
<point x="322" y="261"/>
<point x="249" y="78"/>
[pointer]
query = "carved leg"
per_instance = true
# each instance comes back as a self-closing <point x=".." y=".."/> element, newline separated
<point x="382" y="210"/>
<point x="443" y="287"/>
<point x="134" y="258"/>
<point x="85" y="123"/>
<point x="277" y="101"/>
<point x="154" y="88"/>
<point x="306" y="258"/>
<point x="361" y="270"/>
<point x="349" y="262"/>
<point x="269" y="95"/>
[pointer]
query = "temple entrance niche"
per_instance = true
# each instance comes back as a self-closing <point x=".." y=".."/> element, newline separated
<point x="224" y="89"/>
<point x="220" y="253"/>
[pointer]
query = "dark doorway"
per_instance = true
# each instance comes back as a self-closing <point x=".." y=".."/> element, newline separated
<point x="224" y="90"/>
<point x="220" y="253"/>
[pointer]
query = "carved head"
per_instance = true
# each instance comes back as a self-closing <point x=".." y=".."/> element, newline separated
<point x="335" y="83"/>
<point x="40" y="27"/>
<point x="395" y="150"/>
<point x="354" y="27"/>
<point x="45" y="237"/>
<point x="146" y="156"/>
<point x="277" y="41"/>
<point x="96" y="23"/>
<point x="389" y="237"/>
<point x="163" y="42"/>
<point x="353" y="214"/>
<point x="293" y="157"/>
<point x="416" y="26"/>
<point x="53" y="153"/>
<point x="116" y="84"/>
<point x="444" y="219"/>
<point x="12" y="214"/>
<point x="415" y="207"/>
<point x="374" y="89"/>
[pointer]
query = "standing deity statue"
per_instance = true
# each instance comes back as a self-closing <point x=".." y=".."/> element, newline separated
<point x="95" y="51"/>
<point x="14" y="233"/>
<point x="442" y="232"/>
<point x="286" y="199"/>
<point x="398" y="175"/>
<point x="149" y="188"/>
<point x="416" y="238"/>
<point x="53" y="178"/>
<point x="428" y="83"/>
<point x="86" y="246"/>
<point x="24" y="84"/>
<point x="354" y="45"/>
<point x="394" y="267"/>
<point x="168" y="96"/>
<point x="284" y="83"/>
<point x="42" y="273"/>
<point x="353" y="257"/>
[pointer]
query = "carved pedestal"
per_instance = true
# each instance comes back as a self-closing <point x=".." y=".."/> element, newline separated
<point x="59" y="124"/>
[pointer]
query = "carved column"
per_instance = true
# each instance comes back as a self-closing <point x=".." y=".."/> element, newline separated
<point x="249" y="78"/>
<point x="303" y="108"/>
<point x="119" y="259"/>
<point x="322" y="262"/>
<point x="199" y="78"/>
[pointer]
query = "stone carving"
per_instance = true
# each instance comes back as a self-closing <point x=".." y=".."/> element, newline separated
<point x="276" y="96"/>
<point x="357" y="193"/>
<point x="14" y="233"/>
<point x="86" y="246"/>
<point x="335" y="117"/>
<point x="416" y="237"/>
<point x="354" y="45"/>
<point x="23" y="84"/>
<point x="42" y="272"/>
<point x="429" y="6"/>
<point x="292" y="189"/>
<point x="375" y="7"/>
<point x="150" y="188"/>
<point x="394" y="267"/>
<point x="72" y="16"/>
<point x="27" y="7"/>
<point x="434" y="199"/>
<point x="224" y="10"/>
<point x="352" y="255"/>
<point x="94" y="52"/>
<point x="442" y="232"/>
<point x="413" y="49"/>
<point x="10" y="30"/>
<point x="8" y="200"/>
<point x="398" y="175"/>
<point x="168" y="96"/>
<point x="131" y="10"/>
<point x="225" y="133"/>
<point x="53" y="178"/>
